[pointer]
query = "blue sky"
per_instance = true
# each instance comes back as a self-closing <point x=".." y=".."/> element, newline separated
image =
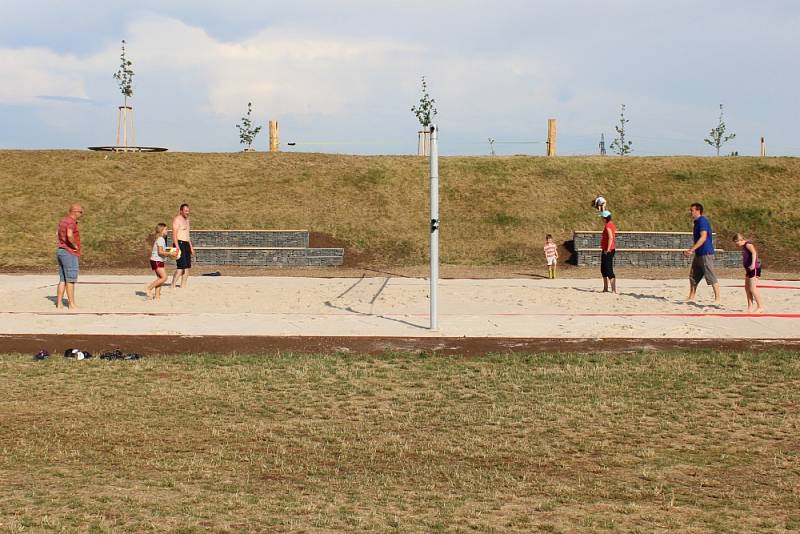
<point x="341" y="76"/>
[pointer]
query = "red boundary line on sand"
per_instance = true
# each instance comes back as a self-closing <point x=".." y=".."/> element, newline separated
<point x="760" y="286"/>
<point x="587" y="314"/>
<point x="668" y="314"/>
<point x="109" y="283"/>
<point x="69" y="313"/>
<point x="96" y="284"/>
<point x="770" y="286"/>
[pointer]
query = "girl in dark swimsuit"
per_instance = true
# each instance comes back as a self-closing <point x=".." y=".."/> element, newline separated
<point x="752" y="270"/>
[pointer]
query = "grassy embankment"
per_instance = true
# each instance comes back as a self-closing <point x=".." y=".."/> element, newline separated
<point x="494" y="210"/>
<point x="521" y="443"/>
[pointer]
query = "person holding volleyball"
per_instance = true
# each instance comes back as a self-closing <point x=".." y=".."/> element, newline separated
<point x="157" y="257"/>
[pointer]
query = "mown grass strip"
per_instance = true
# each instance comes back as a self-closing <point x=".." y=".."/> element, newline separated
<point x="644" y="441"/>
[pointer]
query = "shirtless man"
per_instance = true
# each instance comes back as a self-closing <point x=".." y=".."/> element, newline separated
<point x="181" y="238"/>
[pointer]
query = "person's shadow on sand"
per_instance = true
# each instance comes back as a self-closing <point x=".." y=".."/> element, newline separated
<point x="700" y="306"/>
<point x="643" y="296"/>
<point x="532" y="275"/>
<point x="588" y="290"/>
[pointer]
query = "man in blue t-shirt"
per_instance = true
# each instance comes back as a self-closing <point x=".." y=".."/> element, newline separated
<point x="703" y="250"/>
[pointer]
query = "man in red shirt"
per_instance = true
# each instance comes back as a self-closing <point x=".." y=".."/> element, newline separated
<point x="608" y="246"/>
<point x="68" y="254"/>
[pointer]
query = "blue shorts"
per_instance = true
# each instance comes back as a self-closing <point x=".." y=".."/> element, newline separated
<point x="67" y="266"/>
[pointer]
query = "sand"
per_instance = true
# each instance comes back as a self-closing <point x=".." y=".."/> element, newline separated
<point x="392" y="306"/>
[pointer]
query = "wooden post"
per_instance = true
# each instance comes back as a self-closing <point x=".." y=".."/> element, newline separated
<point x="424" y="142"/>
<point x="273" y="136"/>
<point x="551" y="137"/>
<point x="763" y="147"/>
<point x="126" y="134"/>
<point x="119" y="123"/>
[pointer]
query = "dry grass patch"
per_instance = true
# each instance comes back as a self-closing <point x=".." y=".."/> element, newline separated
<point x="494" y="210"/>
<point x="408" y="443"/>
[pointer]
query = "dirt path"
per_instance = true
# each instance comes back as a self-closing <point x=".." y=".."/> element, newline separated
<point x="445" y="346"/>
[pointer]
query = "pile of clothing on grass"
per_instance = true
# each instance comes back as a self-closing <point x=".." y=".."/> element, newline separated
<point x="79" y="354"/>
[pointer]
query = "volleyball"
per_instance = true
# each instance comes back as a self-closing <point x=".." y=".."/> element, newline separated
<point x="599" y="203"/>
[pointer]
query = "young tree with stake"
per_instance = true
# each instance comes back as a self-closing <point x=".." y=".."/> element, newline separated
<point x="717" y="136"/>
<point x="426" y="110"/>
<point x="620" y="145"/>
<point x="248" y="132"/>
<point x="124" y="75"/>
<point x="425" y="113"/>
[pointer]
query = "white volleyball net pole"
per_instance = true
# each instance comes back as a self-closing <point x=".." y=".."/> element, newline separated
<point x="434" y="227"/>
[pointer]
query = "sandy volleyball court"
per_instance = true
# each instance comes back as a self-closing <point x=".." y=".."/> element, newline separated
<point x="389" y="307"/>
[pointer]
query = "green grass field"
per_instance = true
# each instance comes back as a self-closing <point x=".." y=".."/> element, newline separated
<point x="494" y="210"/>
<point x="641" y="442"/>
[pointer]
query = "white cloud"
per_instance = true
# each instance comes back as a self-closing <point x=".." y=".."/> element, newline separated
<point x="293" y="72"/>
<point x="289" y="72"/>
<point x="29" y="72"/>
<point x="327" y="72"/>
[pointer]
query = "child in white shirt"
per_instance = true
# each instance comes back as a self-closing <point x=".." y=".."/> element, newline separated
<point x="157" y="257"/>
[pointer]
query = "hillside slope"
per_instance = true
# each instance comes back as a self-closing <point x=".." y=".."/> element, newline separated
<point x="494" y="210"/>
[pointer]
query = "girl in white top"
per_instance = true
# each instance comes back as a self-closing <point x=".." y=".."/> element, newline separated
<point x="157" y="257"/>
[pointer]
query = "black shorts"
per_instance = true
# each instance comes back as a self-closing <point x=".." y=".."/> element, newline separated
<point x="185" y="261"/>
<point x="753" y="273"/>
<point x="607" y="264"/>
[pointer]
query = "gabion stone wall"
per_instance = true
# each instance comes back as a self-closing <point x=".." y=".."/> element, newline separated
<point x="323" y="257"/>
<point x="278" y="248"/>
<point x="667" y="240"/>
<point x="646" y="249"/>
<point x="655" y="258"/>
<point x="249" y="238"/>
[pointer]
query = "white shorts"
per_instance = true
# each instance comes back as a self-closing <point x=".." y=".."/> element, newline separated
<point x="551" y="261"/>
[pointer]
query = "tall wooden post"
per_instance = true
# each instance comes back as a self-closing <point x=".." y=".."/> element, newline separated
<point x="763" y="147"/>
<point x="273" y="136"/>
<point x="551" y="137"/>
<point x="126" y="133"/>
<point x="424" y="142"/>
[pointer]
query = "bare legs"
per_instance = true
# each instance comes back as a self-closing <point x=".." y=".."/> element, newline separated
<point x="161" y="275"/>
<point x="69" y="287"/>
<point x="609" y="282"/>
<point x="184" y="273"/>
<point x="693" y="292"/>
<point x="753" y="296"/>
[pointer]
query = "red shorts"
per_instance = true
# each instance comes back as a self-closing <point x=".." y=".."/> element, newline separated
<point x="156" y="264"/>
